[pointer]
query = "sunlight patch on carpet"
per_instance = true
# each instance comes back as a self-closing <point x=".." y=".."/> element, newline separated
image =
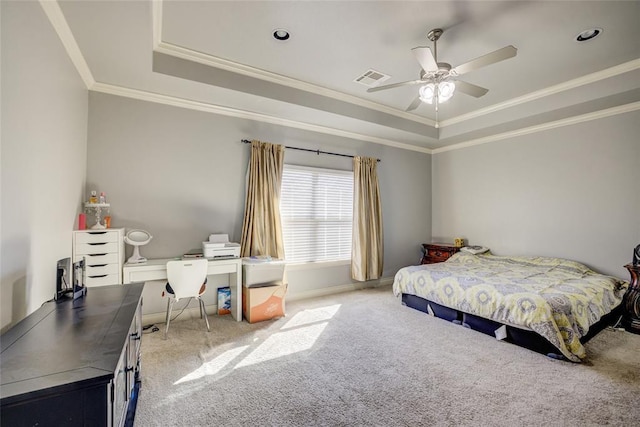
<point x="284" y="343"/>
<point x="314" y="315"/>
<point x="299" y="334"/>
<point x="214" y="366"/>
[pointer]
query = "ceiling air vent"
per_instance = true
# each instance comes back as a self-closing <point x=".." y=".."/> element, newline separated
<point x="371" y="78"/>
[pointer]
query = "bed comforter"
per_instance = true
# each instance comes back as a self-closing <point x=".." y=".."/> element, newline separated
<point x="557" y="298"/>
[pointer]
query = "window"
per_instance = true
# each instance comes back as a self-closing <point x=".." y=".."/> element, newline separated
<point x="316" y="207"/>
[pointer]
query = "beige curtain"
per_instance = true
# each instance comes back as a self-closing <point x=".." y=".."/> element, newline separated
<point x="262" y="229"/>
<point x="367" y="250"/>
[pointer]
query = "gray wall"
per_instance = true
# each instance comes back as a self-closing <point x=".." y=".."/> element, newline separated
<point x="180" y="174"/>
<point x="570" y="192"/>
<point x="43" y="157"/>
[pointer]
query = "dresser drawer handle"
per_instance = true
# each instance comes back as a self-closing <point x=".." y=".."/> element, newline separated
<point x="97" y="232"/>
<point x="98" y="276"/>
<point x="95" y="255"/>
<point x="96" y="244"/>
<point x="98" y="265"/>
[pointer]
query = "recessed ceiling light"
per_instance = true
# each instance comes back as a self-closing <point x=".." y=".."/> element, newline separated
<point x="281" y="34"/>
<point x="589" y="34"/>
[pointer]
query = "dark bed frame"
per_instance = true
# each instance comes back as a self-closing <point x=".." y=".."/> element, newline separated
<point x="521" y="337"/>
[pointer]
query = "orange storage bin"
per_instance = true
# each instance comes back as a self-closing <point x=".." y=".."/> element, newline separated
<point x="263" y="302"/>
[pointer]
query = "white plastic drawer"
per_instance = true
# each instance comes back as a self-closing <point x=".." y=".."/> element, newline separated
<point x="97" y="237"/>
<point x="101" y="280"/>
<point x="258" y="271"/>
<point x="98" y="259"/>
<point x="96" y="248"/>
<point x="101" y="269"/>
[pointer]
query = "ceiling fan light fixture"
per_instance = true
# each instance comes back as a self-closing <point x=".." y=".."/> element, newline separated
<point x="445" y="91"/>
<point x="437" y="79"/>
<point x="427" y="92"/>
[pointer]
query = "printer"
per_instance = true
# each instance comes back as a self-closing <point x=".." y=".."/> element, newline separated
<point x="218" y="246"/>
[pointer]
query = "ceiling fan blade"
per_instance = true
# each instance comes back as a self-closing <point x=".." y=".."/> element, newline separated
<point x="392" y="85"/>
<point x="488" y="59"/>
<point x="425" y="58"/>
<point x="415" y="104"/>
<point x="470" y="89"/>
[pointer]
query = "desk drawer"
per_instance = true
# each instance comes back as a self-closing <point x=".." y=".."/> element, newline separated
<point x="97" y="259"/>
<point x="98" y="236"/>
<point x="222" y="269"/>
<point x="101" y="269"/>
<point x="102" y="280"/>
<point x="96" y="248"/>
<point x="145" y="276"/>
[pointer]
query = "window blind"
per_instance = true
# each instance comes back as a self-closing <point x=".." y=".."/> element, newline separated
<point x="316" y="207"/>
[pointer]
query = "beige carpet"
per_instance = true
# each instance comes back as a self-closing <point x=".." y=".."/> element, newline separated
<point x="361" y="358"/>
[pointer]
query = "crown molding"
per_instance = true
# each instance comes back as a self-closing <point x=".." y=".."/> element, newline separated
<point x="244" y="114"/>
<point x="59" y="23"/>
<point x="224" y="64"/>
<point x="213" y="61"/>
<point x="56" y="17"/>
<point x="546" y="126"/>
<point x="551" y="90"/>
<point x="156" y="16"/>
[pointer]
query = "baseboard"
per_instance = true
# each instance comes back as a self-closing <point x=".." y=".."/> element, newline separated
<point x="339" y="289"/>
<point x="194" y="312"/>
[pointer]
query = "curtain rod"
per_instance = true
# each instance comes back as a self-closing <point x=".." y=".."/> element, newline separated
<point x="318" y="152"/>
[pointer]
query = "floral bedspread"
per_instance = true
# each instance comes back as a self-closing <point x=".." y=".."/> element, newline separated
<point x="557" y="298"/>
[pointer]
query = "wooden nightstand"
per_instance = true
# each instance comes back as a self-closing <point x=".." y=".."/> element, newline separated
<point x="631" y="301"/>
<point x="437" y="252"/>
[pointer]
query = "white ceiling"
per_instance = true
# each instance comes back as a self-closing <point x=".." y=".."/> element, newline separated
<point x="220" y="56"/>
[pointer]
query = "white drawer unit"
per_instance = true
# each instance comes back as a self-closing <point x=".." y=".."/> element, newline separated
<point x="103" y="251"/>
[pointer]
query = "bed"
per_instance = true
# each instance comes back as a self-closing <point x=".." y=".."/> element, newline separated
<point x="550" y="305"/>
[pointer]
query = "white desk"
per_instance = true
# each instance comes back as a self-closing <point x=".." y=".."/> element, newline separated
<point x="156" y="269"/>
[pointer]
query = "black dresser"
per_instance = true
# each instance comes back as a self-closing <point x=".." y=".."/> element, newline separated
<point x="73" y="363"/>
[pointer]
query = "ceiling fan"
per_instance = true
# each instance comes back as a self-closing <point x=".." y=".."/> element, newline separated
<point x="439" y="79"/>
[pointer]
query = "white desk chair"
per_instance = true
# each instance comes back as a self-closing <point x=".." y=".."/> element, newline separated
<point x="186" y="279"/>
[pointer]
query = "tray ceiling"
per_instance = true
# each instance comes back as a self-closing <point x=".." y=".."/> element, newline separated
<point x="221" y="56"/>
